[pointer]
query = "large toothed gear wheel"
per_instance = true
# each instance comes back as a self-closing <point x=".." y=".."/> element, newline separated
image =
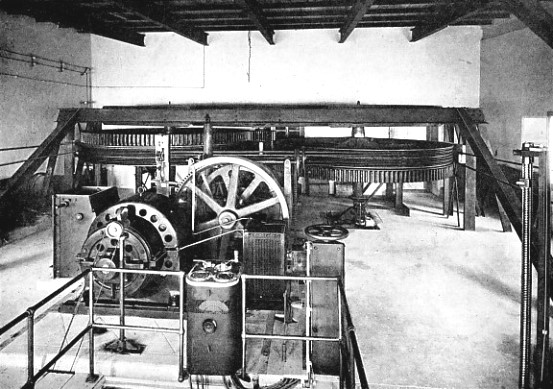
<point x="229" y="190"/>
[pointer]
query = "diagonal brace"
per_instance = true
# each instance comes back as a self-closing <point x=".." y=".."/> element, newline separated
<point x="66" y="123"/>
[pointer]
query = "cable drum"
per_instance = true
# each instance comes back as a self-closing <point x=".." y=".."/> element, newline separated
<point x="342" y="160"/>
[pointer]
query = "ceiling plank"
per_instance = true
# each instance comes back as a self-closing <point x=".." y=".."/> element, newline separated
<point x="257" y="16"/>
<point x="73" y="18"/>
<point x="131" y="37"/>
<point x="535" y="17"/>
<point x="452" y="14"/>
<point x="356" y="13"/>
<point x="156" y="16"/>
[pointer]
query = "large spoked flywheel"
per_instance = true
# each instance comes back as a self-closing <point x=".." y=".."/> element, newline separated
<point x="230" y="190"/>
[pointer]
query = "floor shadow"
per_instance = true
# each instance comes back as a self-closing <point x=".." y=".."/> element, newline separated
<point x="21" y="260"/>
<point x="489" y="283"/>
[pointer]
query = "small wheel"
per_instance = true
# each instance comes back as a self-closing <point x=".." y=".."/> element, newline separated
<point x="326" y="232"/>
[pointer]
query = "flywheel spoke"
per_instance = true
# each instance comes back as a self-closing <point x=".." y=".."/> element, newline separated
<point x="251" y="188"/>
<point x="205" y="184"/>
<point x="257" y="207"/>
<point x="208" y="200"/>
<point x="232" y="187"/>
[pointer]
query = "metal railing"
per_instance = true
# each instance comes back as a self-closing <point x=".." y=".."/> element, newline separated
<point x="346" y="336"/>
<point x="122" y="326"/>
<point x="29" y="314"/>
<point x="346" y="331"/>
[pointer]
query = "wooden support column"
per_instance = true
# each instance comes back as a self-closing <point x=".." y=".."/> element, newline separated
<point x="98" y="176"/>
<point x="447" y="205"/>
<point x="542" y="240"/>
<point x="469" y="214"/>
<point x="389" y="194"/>
<point x="431" y="135"/>
<point x="446" y="198"/>
<point x="400" y="207"/>
<point x="506" y="194"/>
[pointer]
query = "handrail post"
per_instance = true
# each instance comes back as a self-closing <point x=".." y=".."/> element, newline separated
<point x="182" y="371"/>
<point x="92" y="377"/>
<point x="122" y="338"/>
<point x="30" y="348"/>
<point x="244" y="362"/>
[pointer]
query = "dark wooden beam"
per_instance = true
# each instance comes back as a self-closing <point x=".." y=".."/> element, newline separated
<point x="505" y="192"/>
<point x="72" y="17"/>
<point x="66" y="122"/>
<point x="155" y="15"/>
<point x="258" y="114"/>
<point x="257" y="16"/>
<point x="535" y="17"/>
<point x="356" y="13"/>
<point x="449" y="15"/>
<point x="118" y="34"/>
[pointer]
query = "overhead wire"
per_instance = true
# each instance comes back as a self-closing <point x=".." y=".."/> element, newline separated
<point x="28" y="147"/>
<point x="492" y="176"/>
<point x="30" y="159"/>
<point x="14" y="75"/>
<point x="37" y="60"/>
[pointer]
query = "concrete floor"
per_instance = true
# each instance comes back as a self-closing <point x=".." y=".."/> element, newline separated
<point x="433" y="306"/>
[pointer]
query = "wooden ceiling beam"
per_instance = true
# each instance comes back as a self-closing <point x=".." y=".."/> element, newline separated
<point x="156" y="16"/>
<point x="535" y="17"/>
<point x="73" y="18"/>
<point x="258" y="18"/>
<point x="131" y="37"/>
<point x="356" y="13"/>
<point x="450" y="14"/>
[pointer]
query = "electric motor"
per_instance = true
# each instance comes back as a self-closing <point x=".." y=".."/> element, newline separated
<point x="155" y="230"/>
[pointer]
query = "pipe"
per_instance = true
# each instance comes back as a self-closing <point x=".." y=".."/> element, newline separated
<point x="526" y="270"/>
<point x="122" y="339"/>
<point x="208" y="138"/>
<point x="31" y="348"/>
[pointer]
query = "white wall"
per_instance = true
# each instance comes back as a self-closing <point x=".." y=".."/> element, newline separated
<point x="29" y="103"/>
<point x="516" y="81"/>
<point x="374" y="66"/>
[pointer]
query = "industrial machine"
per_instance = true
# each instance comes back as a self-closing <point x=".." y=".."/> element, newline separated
<point x="219" y="209"/>
<point x="227" y="219"/>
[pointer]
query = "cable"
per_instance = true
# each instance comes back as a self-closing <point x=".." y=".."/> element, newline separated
<point x="31" y="159"/>
<point x="492" y="176"/>
<point x="498" y="160"/>
<point x="58" y="64"/>
<point x="29" y="147"/>
<point x="42" y="79"/>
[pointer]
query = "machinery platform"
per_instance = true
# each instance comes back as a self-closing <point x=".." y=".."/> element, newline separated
<point x="267" y="360"/>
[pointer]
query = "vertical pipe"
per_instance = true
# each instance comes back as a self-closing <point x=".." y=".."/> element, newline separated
<point x="341" y="342"/>
<point x="181" y="326"/>
<point x="208" y="137"/>
<point x="244" y="327"/>
<point x="526" y="270"/>
<point x="91" y="324"/>
<point x="122" y="289"/>
<point x="30" y="348"/>
<point x="308" y="312"/>
<point x="305" y="178"/>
